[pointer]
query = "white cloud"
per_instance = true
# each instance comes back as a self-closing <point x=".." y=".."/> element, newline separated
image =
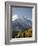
<point x="29" y="19"/>
<point x="14" y="17"/>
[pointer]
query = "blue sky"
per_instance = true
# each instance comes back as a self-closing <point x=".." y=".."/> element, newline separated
<point x="22" y="12"/>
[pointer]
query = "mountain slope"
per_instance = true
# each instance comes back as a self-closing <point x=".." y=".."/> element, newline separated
<point x="21" y="23"/>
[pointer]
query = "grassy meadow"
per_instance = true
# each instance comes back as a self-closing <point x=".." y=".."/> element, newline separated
<point x="23" y="34"/>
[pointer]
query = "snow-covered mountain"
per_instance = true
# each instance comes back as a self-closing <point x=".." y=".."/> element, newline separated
<point x="21" y="23"/>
